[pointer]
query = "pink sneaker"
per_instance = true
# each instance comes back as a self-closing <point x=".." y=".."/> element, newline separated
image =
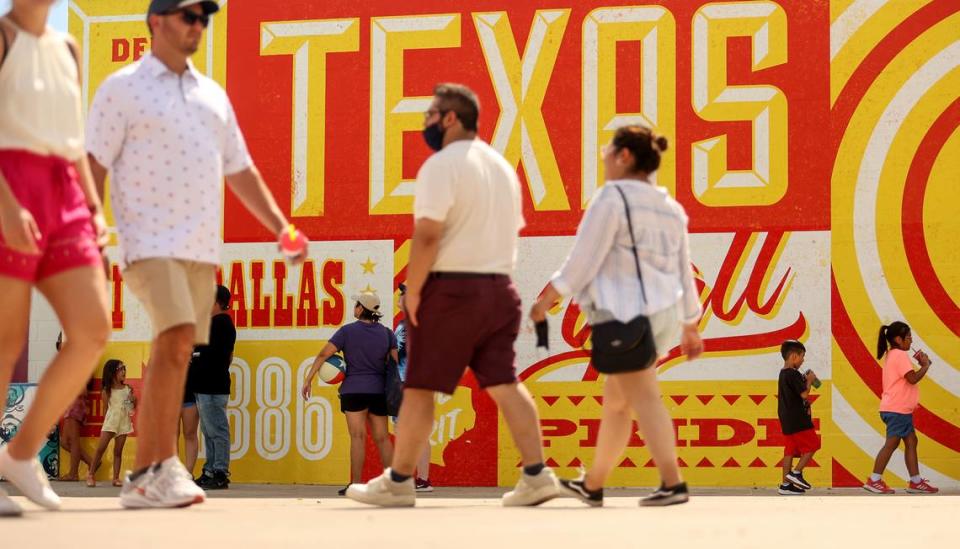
<point x="877" y="487"/>
<point x="922" y="487"/>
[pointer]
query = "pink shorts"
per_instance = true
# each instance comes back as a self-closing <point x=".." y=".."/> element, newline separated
<point x="47" y="186"/>
<point x="77" y="410"/>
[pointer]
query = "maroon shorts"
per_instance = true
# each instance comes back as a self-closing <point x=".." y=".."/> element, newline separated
<point x="47" y="186"/>
<point x="465" y="320"/>
<point x="800" y="443"/>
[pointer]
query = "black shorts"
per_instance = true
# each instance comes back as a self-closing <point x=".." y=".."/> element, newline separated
<point x="376" y="404"/>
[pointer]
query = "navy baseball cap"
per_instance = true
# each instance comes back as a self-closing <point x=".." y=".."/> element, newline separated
<point x="165" y="6"/>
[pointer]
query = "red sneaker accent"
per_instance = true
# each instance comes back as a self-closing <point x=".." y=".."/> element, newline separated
<point x="922" y="487"/>
<point x="877" y="487"/>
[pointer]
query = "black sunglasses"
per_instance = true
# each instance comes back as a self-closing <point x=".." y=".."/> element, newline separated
<point x="190" y="18"/>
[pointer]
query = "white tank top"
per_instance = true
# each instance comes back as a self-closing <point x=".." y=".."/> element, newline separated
<point x="40" y="102"/>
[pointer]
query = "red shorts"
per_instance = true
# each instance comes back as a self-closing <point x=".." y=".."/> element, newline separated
<point x="47" y="186"/>
<point x="801" y="443"/>
<point x="465" y="320"/>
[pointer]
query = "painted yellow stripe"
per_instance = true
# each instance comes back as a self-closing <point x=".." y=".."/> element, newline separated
<point x="862" y="38"/>
<point x="401" y="257"/>
<point x="850" y="157"/>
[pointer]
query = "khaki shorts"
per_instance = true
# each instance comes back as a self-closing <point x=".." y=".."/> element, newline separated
<point x="174" y="292"/>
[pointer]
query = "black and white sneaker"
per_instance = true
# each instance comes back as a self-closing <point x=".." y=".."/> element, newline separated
<point x="790" y="489"/>
<point x="576" y="488"/>
<point x="667" y="496"/>
<point x="343" y="491"/>
<point x="796" y="478"/>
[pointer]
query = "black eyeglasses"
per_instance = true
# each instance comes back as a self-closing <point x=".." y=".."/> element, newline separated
<point x="190" y="18"/>
<point x="431" y="112"/>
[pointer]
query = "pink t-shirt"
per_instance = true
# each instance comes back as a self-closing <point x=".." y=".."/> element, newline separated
<point x="899" y="395"/>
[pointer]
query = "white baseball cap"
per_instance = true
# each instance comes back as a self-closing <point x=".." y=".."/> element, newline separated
<point x="369" y="300"/>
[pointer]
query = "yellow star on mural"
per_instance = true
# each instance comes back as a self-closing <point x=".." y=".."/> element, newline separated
<point x="368" y="290"/>
<point x="368" y="267"/>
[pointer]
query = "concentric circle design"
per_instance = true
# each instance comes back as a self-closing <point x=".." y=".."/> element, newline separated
<point x="893" y="122"/>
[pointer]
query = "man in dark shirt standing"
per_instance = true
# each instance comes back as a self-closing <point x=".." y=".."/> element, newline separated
<point x="211" y="363"/>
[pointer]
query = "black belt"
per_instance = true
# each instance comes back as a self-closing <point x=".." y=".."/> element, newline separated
<point x="450" y="275"/>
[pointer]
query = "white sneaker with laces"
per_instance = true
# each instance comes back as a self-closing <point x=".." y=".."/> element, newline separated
<point x="8" y="507"/>
<point x="533" y="489"/>
<point x="166" y="484"/>
<point x="383" y="491"/>
<point x="29" y="477"/>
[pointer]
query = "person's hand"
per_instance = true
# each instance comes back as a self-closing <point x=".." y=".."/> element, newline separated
<point x="690" y="342"/>
<point x="412" y="306"/>
<point x="539" y="311"/>
<point x="810" y="376"/>
<point x="101" y="234"/>
<point x="924" y="359"/>
<point x="307" y="388"/>
<point x="302" y="256"/>
<point x="300" y="237"/>
<point x="20" y="231"/>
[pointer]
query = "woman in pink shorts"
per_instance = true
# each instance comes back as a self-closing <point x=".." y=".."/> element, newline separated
<point x="52" y="230"/>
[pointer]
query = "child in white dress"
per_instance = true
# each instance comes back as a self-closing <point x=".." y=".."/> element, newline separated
<point x="118" y="419"/>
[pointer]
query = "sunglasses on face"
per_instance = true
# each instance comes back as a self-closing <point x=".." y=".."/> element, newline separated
<point x="190" y="18"/>
<point x="427" y="115"/>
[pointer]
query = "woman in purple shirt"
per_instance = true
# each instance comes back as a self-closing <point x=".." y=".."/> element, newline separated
<point x="365" y="344"/>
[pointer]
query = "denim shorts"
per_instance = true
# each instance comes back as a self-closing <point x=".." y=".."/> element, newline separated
<point x="898" y="425"/>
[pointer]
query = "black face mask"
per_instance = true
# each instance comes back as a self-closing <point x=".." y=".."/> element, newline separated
<point x="433" y="135"/>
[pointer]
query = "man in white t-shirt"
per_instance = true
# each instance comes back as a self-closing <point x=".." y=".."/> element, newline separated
<point x="168" y="136"/>
<point x="462" y="308"/>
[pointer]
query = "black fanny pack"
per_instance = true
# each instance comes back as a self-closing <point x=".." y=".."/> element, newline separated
<point x="624" y="346"/>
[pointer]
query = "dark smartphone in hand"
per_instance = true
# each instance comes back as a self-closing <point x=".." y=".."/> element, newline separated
<point x="542" y="334"/>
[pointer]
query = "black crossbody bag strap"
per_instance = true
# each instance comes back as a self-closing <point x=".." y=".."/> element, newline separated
<point x="636" y="257"/>
<point x="6" y="46"/>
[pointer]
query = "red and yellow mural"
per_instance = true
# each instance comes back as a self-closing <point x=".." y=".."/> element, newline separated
<point x="813" y="143"/>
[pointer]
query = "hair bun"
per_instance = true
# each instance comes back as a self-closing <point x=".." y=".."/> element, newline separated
<point x="661" y="142"/>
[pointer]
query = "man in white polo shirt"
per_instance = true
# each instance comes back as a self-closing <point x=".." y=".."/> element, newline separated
<point x="462" y="308"/>
<point x="168" y="136"/>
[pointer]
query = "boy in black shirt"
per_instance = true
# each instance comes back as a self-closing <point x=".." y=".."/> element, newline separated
<point x="793" y="409"/>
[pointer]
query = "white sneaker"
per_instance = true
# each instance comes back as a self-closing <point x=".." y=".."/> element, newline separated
<point x="166" y="484"/>
<point x="383" y="491"/>
<point x="8" y="507"/>
<point x="29" y="477"/>
<point x="533" y="489"/>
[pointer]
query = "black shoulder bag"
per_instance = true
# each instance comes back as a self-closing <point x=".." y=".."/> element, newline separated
<point x="624" y="346"/>
<point x="393" y="385"/>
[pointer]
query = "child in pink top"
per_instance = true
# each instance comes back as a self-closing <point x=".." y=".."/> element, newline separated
<point x="900" y="398"/>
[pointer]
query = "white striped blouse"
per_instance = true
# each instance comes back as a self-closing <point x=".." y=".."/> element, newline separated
<point x="600" y="271"/>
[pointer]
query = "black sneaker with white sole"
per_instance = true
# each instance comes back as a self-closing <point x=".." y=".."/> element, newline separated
<point x="576" y="488"/>
<point x="667" y="496"/>
<point x="796" y="478"/>
<point x="790" y="489"/>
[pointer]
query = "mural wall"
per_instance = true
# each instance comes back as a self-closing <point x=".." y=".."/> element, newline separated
<point x="16" y="402"/>
<point x="813" y="144"/>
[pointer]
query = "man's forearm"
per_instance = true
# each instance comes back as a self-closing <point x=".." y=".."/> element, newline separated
<point x="250" y="188"/>
<point x="423" y="254"/>
<point x="99" y="174"/>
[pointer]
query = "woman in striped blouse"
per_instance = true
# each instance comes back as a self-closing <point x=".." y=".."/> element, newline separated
<point x="601" y="274"/>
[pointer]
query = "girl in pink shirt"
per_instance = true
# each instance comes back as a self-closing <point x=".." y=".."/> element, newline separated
<point x="900" y="398"/>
